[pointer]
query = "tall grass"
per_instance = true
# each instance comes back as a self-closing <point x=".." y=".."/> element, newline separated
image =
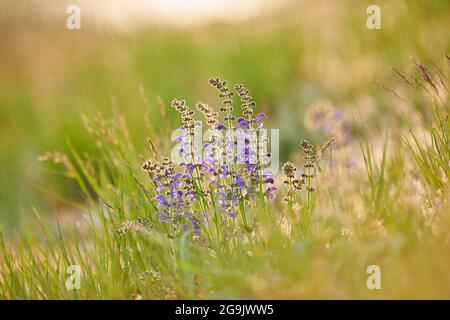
<point x="314" y="240"/>
<point x="287" y="61"/>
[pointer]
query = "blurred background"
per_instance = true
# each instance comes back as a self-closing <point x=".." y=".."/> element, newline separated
<point x="290" y="54"/>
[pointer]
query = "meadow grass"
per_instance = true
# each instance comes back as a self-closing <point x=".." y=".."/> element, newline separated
<point x="316" y="239"/>
<point x="380" y="189"/>
<point x="290" y="58"/>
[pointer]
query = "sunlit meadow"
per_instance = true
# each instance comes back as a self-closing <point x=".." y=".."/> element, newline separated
<point x="106" y="192"/>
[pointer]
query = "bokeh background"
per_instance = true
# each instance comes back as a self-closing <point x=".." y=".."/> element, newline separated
<point x="290" y="54"/>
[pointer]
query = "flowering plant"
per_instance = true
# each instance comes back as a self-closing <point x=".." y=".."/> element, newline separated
<point x="223" y="178"/>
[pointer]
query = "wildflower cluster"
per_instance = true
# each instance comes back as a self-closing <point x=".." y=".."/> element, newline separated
<point x="175" y="197"/>
<point x="221" y="178"/>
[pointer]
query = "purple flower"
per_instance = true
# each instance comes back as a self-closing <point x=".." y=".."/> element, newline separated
<point x="260" y="116"/>
<point x="240" y="183"/>
<point x="223" y="172"/>
<point x="196" y="226"/>
<point x="258" y="119"/>
<point x="270" y="193"/>
<point x="269" y="180"/>
<point x="163" y="215"/>
<point x="243" y="123"/>
<point x="228" y="199"/>
<point x="162" y="202"/>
